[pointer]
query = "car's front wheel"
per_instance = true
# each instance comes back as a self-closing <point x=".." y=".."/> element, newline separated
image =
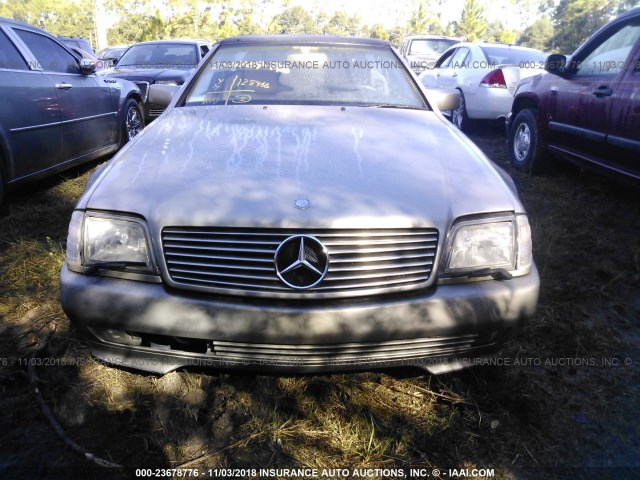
<point x="459" y="116"/>
<point x="1" y="183"/>
<point x="132" y="121"/>
<point x="524" y="147"/>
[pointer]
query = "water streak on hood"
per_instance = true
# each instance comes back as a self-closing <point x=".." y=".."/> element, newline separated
<point x="246" y="165"/>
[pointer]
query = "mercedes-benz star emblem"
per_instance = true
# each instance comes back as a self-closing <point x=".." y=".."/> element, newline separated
<point x="301" y="261"/>
<point x="302" y="203"/>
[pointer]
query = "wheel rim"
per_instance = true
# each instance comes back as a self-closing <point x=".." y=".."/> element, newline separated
<point x="133" y="122"/>
<point x="458" y="113"/>
<point x="522" y="142"/>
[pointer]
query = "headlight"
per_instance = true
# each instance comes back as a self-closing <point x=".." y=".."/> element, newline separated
<point x="166" y="82"/>
<point x="484" y="244"/>
<point x="96" y="239"/>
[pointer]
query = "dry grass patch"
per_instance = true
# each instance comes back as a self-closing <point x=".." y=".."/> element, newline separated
<point x="512" y="419"/>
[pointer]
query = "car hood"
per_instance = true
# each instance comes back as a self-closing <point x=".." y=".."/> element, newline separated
<point x="247" y="165"/>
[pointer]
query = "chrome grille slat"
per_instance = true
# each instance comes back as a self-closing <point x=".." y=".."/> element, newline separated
<point x="225" y="275"/>
<point x="335" y="259"/>
<point x="225" y="249"/>
<point x="223" y="266"/>
<point x="222" y="257"/>
<point x="325" y="284"/>
<point x="225" y="241"/>
<point x="372" y="242"/>
<point x="345" y="275"/>
<point x="324" y="233"/>
<point x="231" y="285"/>
<point x="374" y="267"/>
<point x="339" y="251"/>
<point x="241" y="261"/>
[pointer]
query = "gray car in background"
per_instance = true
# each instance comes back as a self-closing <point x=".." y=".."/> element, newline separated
<point x="301" y="205"/>
<point x="56" y="112"/>
<point x="422" y="51"/>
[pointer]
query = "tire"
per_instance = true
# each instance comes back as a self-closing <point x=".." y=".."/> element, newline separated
<point x="1" y="184"/>
<point x="525" y="152"/>
<point x="460" y="118"/>
<point x="132" y="120"/>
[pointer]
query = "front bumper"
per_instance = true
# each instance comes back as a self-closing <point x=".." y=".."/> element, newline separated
<point x="489" y="103"/>
<point x="179" y="328"/>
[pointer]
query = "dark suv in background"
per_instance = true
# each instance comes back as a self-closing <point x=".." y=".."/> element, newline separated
<point x="586" y="108"/>
<point x="77" y="43"/>
<point x="168" y="62"/>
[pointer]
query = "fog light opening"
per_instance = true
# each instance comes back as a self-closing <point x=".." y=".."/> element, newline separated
<point x="118" y="336"/>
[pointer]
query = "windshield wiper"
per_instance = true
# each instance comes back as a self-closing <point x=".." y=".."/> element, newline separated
<point x="112" y="266"/>
<point x="391" y="105"/>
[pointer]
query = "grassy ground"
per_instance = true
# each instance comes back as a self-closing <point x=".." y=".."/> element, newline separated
<point x="567" y="399"/>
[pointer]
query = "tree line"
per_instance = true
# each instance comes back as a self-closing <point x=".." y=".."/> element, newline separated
<point x="558" y="26"/>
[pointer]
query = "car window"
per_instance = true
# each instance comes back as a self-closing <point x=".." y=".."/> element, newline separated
<point x="9" y="55"/>
<point x="445" y="60"/>
<point x="203" y="50"/>
<point x="160" y="55"/>
<point x="305" y="74"/>
<point x="460" y="59"/>
<point x="609" y="56"/>
<point x="512" y="56"/>
<point x="403" y="47"/>
<point x="110" y="53"/>
<point x="51" y="56"/>
<point x="430" y="46"/>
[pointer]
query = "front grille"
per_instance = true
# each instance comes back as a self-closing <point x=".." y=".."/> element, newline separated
<point x="346" y="353"/>
<point x="144" y="89"/>
<point x="241" y="261"/>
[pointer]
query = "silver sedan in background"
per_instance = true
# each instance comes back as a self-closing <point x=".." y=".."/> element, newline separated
<point x="300" y="205"/>
<point x="486" y="75"/>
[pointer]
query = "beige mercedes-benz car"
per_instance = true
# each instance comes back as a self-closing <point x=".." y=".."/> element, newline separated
<point x="301" y="205"/>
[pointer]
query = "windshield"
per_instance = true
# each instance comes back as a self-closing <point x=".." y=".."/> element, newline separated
<point x="513" y="56"/>
<point x="160" y="55"/>
<point x="305" y="74"/>
<point x="111" y="52"/>
<point x="431" y="46"/>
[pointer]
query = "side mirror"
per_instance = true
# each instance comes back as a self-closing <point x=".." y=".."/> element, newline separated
<point x="161" y="95"/>
<point x="87" y="67"/>
<point x="446" y="99"/>
<point x="556" y="64"/>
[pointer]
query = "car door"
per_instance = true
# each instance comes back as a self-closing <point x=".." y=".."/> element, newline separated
<point x="624" y="129"/>
<point x="452" y="76"/>
<point x="581" y="103"/>
<point x="30" y="115"/>
<point x="87" y="112"/>
<point x="431" y="78"/>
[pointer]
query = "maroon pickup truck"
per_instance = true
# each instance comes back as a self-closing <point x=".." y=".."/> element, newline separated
<point x="585" y="108"/>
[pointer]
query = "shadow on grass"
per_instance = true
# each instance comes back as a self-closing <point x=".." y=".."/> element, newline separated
<point x="514" y="419"/>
